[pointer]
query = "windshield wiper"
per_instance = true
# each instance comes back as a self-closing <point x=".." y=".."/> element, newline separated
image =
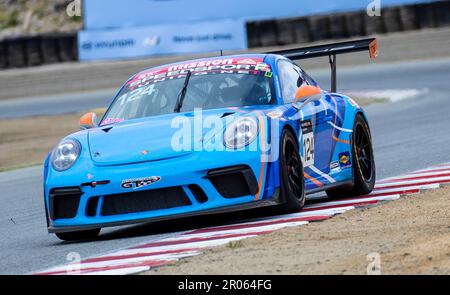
<point x="182" y="94"/>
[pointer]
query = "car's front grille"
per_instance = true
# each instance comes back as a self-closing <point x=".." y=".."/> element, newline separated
<point x="234" y="182"/>
<point x="198" y="193"/>
<point x="149" y="200"/>
<point x="64" y="202"/>
<point x="91" y="206"/>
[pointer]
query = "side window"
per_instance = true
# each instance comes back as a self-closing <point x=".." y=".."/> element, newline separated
<point x="308" y="79"/>
<point x="290" y="80"/>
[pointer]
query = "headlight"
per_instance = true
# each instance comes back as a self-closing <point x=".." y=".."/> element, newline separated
<point x="240" y="133"/>
<point x="65" y="154"/>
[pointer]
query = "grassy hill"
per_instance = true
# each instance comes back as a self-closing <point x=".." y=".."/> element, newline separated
<point x="29" y="17"/>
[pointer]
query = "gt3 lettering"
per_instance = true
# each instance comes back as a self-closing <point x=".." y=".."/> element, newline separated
<point x="139" y="182"/>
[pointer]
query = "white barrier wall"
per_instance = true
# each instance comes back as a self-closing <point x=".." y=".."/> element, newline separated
<point x="101" y="14"/>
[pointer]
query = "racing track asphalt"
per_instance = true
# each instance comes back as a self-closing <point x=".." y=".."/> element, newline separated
<point x="407" y="135"/>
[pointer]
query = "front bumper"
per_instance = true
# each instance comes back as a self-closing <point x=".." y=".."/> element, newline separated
<point x="91" y="196"/>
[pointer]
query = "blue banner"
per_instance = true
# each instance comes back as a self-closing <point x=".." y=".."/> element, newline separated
<point x="162" y="40"/>
<point x="101" y="14"/>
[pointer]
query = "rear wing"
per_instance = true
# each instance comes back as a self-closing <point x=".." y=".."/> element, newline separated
<point x="331" y="50"/>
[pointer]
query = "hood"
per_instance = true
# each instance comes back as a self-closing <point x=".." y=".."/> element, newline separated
<point x="147" y="139"/>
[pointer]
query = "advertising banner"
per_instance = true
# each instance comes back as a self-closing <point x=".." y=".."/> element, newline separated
<point x="162" y="40"/>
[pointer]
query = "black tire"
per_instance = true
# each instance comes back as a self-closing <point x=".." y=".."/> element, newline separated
<point x="363" y="162"/>
<point x="79" y="235"/>
<point x="292" y="181"/>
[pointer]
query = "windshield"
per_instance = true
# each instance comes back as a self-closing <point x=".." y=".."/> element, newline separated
<point x="230" y="84"/>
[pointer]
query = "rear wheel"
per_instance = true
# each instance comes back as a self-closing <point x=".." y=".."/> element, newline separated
<point x="291" y="174"/>
<point x="79" y="235"/>
<point x="363" y="162"/>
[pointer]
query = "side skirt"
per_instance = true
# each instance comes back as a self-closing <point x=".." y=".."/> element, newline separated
<point x="344" y="184"/>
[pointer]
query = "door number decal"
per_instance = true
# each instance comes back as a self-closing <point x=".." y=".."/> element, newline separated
<point x="308" y="143"/>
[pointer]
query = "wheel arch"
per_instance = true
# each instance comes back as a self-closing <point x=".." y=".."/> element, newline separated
<point x="352" y="109"/>
<point x="364" y="115"/>
<point x="365" y="118"/>
<point x="273" y="174"/>
<point x="291" y="129"/>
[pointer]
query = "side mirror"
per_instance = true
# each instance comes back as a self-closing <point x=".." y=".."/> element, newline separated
<point x="306" y="94"/>
<point x="88" y="121"/>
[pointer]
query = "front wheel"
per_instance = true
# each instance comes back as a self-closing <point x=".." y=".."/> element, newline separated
<point x="291" y="174"/>
<point x="363" y="162"/>
<point x="79" y="235"/>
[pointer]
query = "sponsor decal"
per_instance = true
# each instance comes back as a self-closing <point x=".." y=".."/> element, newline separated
<point x="344" y="160"/>
<point x="109" y="121"/>
<point x="306" y="126"/>
<point x="201" y="64"/>
<point x="137" y="183"/>
<point x="247" y="61"/>
<point x="151" y="41"/>
<point x="335" y="167"/>
<point x="275" y="114"/>
<point x="109" y="44"/>
<point x="308" y="143"/>
<point x="262" y="67"/>
<point x="254" y="66"/>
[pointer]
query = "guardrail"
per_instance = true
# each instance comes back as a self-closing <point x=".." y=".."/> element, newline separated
<point x="53" y="48"/>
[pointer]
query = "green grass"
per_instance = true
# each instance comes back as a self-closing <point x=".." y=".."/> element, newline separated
<point x="234" y="244"/>
<point x="8" y="19"/>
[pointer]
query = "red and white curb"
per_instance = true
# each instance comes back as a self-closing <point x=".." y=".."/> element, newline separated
<point x="168" y="250"/>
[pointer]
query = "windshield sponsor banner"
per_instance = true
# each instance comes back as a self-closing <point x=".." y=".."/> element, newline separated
<point x="162" y="40"/>
<point x="243" y="65"/>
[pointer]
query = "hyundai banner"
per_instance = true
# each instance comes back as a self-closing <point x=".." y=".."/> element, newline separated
<point x="162" y="40"/>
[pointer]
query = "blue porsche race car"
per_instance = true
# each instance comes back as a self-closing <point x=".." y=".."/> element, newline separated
<point x="211" y="135"/>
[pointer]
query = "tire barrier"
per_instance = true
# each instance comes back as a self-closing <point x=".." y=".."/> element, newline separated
<point x="68" y="50"/>
<point x="49" y="49"/>
<point x="3" y="59"/>
<point x="320" y="27"/>
<point x="351" y="24"/>
<point x="408" y="18"/>
<point x="338" y="26"/>
<point x="355" y="24"/>
<point x="425" y="16"/>
<point x="53" y="48"/>
<point x="15" y="52"/>
<point x="391" y="20"/>
<point x="38" y="50"/>
<point x="301" y="30"/>
<point x="268" y="33"/>
<point x="442" y="10"/>
<point x="33" y="51"/>
<point x="285" y="32"/>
